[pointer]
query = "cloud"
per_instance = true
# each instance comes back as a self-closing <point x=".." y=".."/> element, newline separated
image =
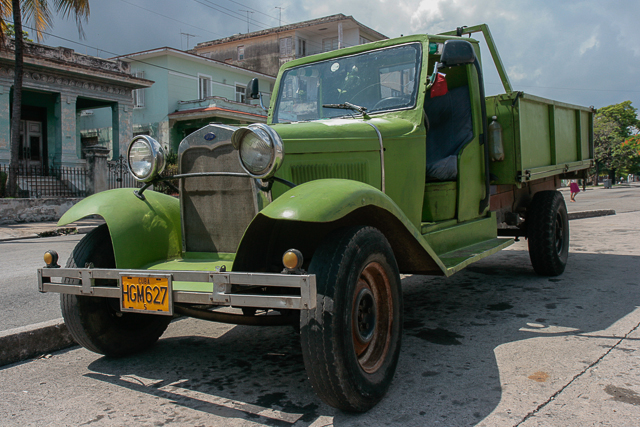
<point x="589" y="44"/>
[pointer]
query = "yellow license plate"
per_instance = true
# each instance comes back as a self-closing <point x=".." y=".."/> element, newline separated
<point x="146" y="294"/>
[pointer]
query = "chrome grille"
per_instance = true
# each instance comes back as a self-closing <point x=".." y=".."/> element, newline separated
<point x="216" y="210"/>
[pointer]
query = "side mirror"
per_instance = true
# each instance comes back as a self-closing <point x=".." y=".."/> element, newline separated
<point x="252" y="91"/>
<point x="457" y="52"/>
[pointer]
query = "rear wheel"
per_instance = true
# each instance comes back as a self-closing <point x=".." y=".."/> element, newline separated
<point x="97" y="324"/>
<point x="548" y="233"/>
<point x="351" y="341"/>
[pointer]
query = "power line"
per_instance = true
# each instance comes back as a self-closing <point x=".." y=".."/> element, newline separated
<point x="176" y="71"/>
<point x="171" y="18"/>
<point x="210" y="4"/>
<point x="228" y="12"/>
<point x="255" y="10"/>
<point x="119" y="55"/>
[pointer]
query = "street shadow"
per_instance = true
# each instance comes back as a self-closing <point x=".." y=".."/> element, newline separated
<point x="447" y="374"/>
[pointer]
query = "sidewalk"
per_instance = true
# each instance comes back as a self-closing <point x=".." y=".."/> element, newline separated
<point x="32" y="230"/>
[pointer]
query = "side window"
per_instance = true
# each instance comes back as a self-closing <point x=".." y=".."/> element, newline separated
<point x="286" y="46"/>
<point x="329" y="44"/>
<point x="138" y="94"/>
<point x="240" y="95"/>
<point x="204" y="86"/>
<point x="302" y="48"/>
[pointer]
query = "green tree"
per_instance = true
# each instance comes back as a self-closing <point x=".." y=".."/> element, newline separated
<point x="612" y="126"/>
<point x="624" y="115"/>
<point x="11" y="32"/>
<point x="627" y="155"/>
<point x="39" y="14"/>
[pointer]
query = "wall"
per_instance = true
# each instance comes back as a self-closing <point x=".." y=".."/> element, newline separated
<point x="34" y="210"/>
<point x="261" y="54"/>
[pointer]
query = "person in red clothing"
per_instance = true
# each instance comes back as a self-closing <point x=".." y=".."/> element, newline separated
<point x="575" y="189"/>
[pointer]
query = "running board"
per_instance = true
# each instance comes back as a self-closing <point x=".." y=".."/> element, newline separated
<point x="455" y="261"/>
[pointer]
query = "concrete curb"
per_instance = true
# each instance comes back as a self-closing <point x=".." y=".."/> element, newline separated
<point x="591" y="214"/>
<point x="30" y="341"/>
<point x="38" y="231"/>
<point x="50" y="232"/>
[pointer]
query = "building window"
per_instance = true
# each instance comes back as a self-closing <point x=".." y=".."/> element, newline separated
<point x="302" y="48"/>
<point x="240" y="96"/>
<point x="204" y="87"/>
<point x="240" y="53"/>
<point x="364" y="40"/>
<point x="286" y="46"/>
<point x="329" y="44"/>
<point x="138" y="94"/>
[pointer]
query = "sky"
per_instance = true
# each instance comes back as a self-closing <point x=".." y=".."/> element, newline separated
<point x="580" y="52"/>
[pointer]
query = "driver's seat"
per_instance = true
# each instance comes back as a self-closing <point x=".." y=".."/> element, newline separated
<point x="450" y="129"/>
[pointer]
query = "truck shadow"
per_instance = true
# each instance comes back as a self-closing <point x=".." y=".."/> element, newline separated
<point x="448" y="373"/>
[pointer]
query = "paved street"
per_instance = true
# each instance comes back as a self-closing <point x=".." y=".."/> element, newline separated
<point x="621" y="198"/>
<point x="22" y="303"/>
<point x="494" y="345"/>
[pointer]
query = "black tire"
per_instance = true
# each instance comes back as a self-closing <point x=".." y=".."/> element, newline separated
<point x="97" y="324"/>
<point x="548" y="233"/>
<point x="351" y="355"/>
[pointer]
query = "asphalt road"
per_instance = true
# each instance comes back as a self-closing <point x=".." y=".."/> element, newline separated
<point x="494" y="345"/>
<point x="24" y="305"/>
<point x="621" y="198"/>
<point x="21" y="302"/>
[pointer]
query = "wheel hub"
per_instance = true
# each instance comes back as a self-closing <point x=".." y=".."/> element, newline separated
<point x="559" y="234"/>
<point x="371" y="317"/>
<point x="365" y="315"/>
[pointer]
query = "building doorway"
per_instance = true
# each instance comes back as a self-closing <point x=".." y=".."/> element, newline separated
<point x="33" y="150"/>
<point x="31" y="144"/>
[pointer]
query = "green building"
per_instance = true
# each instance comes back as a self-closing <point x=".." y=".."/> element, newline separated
<point x="189" y="91"/>
<point x="58" y="85"/>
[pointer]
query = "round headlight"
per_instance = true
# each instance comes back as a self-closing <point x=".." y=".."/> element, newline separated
<point x="146" y="158"/>
<point x="260" y="150"/>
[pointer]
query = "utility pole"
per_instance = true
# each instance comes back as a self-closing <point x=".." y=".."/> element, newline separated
<point x="248" y="12"/>
<point x="279" y="15"/>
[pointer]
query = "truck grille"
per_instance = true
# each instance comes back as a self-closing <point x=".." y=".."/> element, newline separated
<point x="216" y="210"/>
<point x="356" y="171"/>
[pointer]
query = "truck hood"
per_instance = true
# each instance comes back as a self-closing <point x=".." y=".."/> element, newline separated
<point x="340" y="134"/>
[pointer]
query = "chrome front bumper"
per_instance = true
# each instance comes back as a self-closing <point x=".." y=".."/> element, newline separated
<point x="221" y="285"/>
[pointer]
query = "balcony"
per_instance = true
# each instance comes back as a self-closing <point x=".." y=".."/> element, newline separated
<point x="217" y="106"/>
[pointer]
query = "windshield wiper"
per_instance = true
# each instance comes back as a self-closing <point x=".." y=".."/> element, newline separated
<point x="347" y="106"/>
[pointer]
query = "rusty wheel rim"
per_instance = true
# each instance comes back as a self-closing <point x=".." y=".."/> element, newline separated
<point x="372" y="314"/>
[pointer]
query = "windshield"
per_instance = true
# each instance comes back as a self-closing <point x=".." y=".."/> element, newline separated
<point x="378" y="80"/>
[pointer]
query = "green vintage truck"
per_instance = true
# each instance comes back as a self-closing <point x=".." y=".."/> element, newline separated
<point x="376" y="160"/>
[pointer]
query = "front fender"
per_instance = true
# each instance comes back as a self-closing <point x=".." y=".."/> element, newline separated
<point x="327" y="200"/>
<point x="304" y="215"/>
<point x="142" y="231"/>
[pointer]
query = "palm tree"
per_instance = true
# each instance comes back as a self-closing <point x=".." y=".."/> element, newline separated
<point x="38" y="13"/>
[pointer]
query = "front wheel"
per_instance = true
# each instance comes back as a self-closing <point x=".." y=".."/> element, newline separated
<point x="351" y="340"/>
<point x="96" y="323"/>
<point x="548" y="233"/>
